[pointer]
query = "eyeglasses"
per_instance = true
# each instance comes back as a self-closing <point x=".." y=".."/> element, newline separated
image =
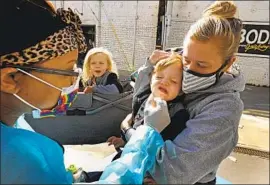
<point x="43" y="70"/>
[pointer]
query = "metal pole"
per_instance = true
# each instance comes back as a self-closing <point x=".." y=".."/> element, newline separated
<point x="63" y="4"/>
<point x="82" y="8"/>
<point x="168" y="19"/>
<point x="54" y="2"/>
<point x="135" y="36"/>
<point x="163" y="40"/>
<point x="99" y="24"/>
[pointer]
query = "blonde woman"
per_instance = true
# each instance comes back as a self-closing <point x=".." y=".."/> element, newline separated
<point x="212" y="98"/>
<point x="100" y="73"/>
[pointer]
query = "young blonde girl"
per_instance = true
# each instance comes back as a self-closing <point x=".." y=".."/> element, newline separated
<point x="100" y="73"/>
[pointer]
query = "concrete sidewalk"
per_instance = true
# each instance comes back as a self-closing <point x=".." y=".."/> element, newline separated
<point x="245" y="169"/>
<point x="238" y="168"/>
<point x="254" y="133"/>
<point x="254" y="124"/>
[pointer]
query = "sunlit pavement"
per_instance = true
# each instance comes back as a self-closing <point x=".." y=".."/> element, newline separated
<point x="245" y="169"/>
<point x="253" y="132"/>
<point x="238" y="168"/>
<point x="254" y="124"/>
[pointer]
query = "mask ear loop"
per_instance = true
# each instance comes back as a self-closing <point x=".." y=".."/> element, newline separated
<point x="39" y="79"/>
<point x="219" y="74"/>
<point x="30" y="105"/>
<point x="27" y="103"/>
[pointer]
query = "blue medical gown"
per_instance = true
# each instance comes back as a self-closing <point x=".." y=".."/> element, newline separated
<point x="31" y="158"/>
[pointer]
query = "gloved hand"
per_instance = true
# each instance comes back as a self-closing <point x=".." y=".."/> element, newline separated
<point x="156" y="114"/>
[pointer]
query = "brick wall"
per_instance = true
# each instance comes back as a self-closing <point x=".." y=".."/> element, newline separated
<point x="122" y="16"/>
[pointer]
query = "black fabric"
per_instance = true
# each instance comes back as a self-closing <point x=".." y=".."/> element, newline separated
<point x="139" y="99"/>
<point x="177" y="125"/>
<point x="81" y="86"/>
<point x="122" y="135"/>
<point x="213" y="182"/>
<point x="118" y="155"/>
<point x="113" y="79"/>
<point x="93" y="176"/>
<point x="25" y="23"/>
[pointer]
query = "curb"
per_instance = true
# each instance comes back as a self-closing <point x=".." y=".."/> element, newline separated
<point x="252" y="152"/>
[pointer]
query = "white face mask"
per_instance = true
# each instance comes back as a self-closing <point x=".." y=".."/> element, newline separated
<point x="73" y="87"/>
<point x="64" y="90"/>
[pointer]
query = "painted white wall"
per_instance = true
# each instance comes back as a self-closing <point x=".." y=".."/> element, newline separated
<point x="256" y="70"/>
<point x="119" y="38"/>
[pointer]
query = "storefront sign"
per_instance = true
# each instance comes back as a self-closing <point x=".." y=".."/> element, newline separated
<point x="255" y="39"/>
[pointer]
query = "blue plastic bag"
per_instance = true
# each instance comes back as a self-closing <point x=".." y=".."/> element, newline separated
<point x="137" y="158"/>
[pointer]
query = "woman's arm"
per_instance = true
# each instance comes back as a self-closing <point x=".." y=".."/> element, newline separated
<point x="208" y="139"/>
<point x="144" y="72"/>
<point x="144" y="77"/>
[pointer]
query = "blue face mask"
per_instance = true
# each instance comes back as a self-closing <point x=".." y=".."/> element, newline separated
<point x="193" y="81"/>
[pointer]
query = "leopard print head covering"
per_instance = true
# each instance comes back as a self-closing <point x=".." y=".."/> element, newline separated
<point x="59" y="43"/>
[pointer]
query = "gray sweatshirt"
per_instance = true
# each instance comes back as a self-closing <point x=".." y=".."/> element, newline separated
<point x="211" y="133"/>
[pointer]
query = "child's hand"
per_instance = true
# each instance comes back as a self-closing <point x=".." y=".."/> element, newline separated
<point x="88" y="89"/>
<point x="116" y="141"/>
